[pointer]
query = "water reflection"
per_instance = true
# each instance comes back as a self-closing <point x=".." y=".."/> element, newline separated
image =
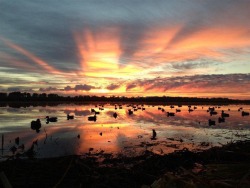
<point x="117" y="130"/>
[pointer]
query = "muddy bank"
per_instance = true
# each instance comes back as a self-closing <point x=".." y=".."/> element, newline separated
<point x="227" y="166"/>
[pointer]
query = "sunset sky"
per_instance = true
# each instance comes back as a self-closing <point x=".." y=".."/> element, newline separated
<point x="126" y="47"/>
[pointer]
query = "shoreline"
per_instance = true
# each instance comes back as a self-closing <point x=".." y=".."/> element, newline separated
<point x="209" y="168"/>
<point x="25" y="104"/>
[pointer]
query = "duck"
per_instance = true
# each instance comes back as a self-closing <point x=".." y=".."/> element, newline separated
<point x="70" y="117"/>
<point x="51" y="119"/>
<point x="211" y="122"/>
<point x="130" y="112"/>
<point x="36" y="125"/>
<point x="213" y="113"/>
<point x="170" y="114"/>
<point x="221" y="119"/>
<point x="243" y="113"/>
<point x="92" y="118"/>
<point x="223" y="114"/>
<point x="178" y="110"/>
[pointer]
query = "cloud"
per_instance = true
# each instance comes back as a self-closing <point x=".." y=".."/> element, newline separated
<point x="110" y="39"/>
<point x="84" y="87"/>
<point x="130" y="86"/>
<point x="20" y="89"/>
<point x="68" y="88"/>
<point x="80" y="87"/>
<point x="197" y="83"/>
<point x="113" y="86"/>
<point x="49" y="89"/>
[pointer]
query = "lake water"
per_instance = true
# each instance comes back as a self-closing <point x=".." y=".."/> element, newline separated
<point x="127" y="134"/>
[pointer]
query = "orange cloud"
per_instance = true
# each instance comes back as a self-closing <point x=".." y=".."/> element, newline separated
<point x="31" y="56"/>
<point x="99" y="54"/>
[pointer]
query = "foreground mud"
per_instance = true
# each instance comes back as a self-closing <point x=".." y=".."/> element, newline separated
<point x="227" y="166"/>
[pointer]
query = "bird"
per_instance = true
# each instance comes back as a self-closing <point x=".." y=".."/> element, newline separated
<point x="221" y="119"/>
<point x="130" y="112"/>
<point x="243" y="113"/>
<point x="51" y="119"/>
<point x="36" y="125"/>
<point x="170" y="114"/>
<point x="213" y="113"/>
<point x="223" y="114"/>
<point x="211" y="122"/>
<point x="70" y="117"/>
<point x="92" y="118"/>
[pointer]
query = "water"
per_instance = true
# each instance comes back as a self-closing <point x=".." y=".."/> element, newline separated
<point x="127" y="134"/>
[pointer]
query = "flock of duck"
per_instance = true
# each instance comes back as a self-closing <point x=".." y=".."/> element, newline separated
<point x="36" y="125"/>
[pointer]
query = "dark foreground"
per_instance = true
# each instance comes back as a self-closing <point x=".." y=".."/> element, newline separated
<point x="228" y="166"/>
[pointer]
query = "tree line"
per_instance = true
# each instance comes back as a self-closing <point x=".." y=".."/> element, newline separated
<point x="44" y="97"/>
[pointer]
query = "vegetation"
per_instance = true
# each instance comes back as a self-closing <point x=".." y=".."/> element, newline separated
<point x="227" y="166"/>
<point x="43" y="97"/>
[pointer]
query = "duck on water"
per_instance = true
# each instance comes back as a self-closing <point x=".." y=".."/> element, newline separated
<point x="51" y="119"/>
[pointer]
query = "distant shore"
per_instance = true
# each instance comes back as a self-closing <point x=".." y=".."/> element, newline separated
<point x="18" y="99"/>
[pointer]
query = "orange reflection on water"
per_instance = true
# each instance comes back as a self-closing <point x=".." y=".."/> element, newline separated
<point x="106" y="136"/>
<point x="127" y="134"/>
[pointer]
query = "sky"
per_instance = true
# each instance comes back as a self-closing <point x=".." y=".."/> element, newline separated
<point x="188" y="48"/>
